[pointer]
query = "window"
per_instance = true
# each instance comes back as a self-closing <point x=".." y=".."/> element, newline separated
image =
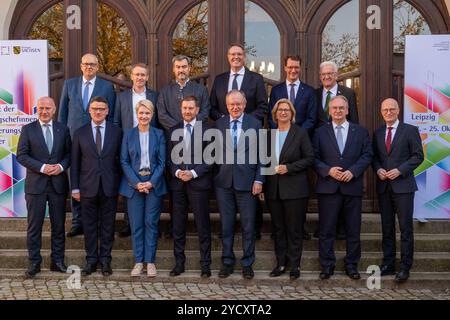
<point x="340" y="38"/>
<point x="190" y="38"/>
<point x="407" y="21"/>
<point x="262" y="41"/>
<point x="113" y="42"/>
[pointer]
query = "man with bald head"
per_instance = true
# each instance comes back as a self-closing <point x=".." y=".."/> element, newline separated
<point x="44" y="150"/>
<point x="74" y="111"/>
<point x="398" y="152"/>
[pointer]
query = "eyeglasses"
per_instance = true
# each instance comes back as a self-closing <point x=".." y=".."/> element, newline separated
<point x="283" y="110"/>
<point x="328" y="74"/>
<point x="92" y="65"/>
<point x="99" y="110"/>
<point x="391" y="110"/>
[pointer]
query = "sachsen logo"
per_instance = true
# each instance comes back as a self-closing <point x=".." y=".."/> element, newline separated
<point x="16" y="50"/>
<point x="21" y="50"/>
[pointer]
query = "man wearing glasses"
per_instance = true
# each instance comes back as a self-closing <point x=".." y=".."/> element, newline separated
<point x="74" y="113"/>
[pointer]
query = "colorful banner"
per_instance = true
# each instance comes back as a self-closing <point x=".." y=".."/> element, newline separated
<point x="427" y="101"/>
<point x="24" y="78"/>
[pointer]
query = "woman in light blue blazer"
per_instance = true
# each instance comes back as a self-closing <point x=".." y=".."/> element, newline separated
<point x="143" y="157"/>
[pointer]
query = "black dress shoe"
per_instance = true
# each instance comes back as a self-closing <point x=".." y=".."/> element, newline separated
<point x="58" y="267"/>
<point x="247" y="273"/>
<point x="206" y="272"/>
<point x="88" y="269"/>
<point x="326" y="273"/>
<point x="387" y="270"/>
<point x="176" y="271"/>
<point x="294" y="274"/>
<point x="125" y="232"/>
<point x="33" y="269"/>
<point x="226" y="271"/>
<point x="106" y="269"/>
<point x="278" y="271"/>
<point x="402" y="275"/>
<point x="352" y="272"/>
<point x="75" y="232"/>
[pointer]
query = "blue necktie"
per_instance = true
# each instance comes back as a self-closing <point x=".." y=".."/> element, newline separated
<point x="86" y="96"/>
<point x="234" y="133"/>
<point x="340" y="138"/>
<point x="48" y="138"/>
<point x="292" y="93"/>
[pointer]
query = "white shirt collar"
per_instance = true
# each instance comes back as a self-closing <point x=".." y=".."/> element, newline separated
<point x="240" y="72"/>
<point x="185" y="84"/>
<point x="192" y="123"/>
<point x="140" y="94"/>
<point x="333" y="90"/>
<point x="288" y="83"/>
<point x="345" y="125"/>
<point x="395" y="125"/>
<point x="102" y="125"/>
<point x="240" y="119"/>
<point x="92" y="81"/>
<point x="50" y="123"/>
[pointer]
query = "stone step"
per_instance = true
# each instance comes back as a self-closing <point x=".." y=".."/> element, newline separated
<point x="308" y="279"/>
<point x="371" y="223"/>
<point x="369" y="242"/>
<point x="265" y="260"/>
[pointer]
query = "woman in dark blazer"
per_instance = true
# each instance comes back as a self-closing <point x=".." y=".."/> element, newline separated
<point x="287" y="189"/>
<point x="142" y="157"/>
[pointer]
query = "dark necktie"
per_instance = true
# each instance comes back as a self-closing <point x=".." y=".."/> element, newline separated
<point x="292" y="93"/>
<point x="389" y="140"/>
<point x="86" y="96"/>
<point x="234" y="86"/>
<point x="327" y="102"/>
<point x="188" y="135"/>
<point x="98" y="140"/>
<point x="340" y="138"/>
<point x="234" y="134"/>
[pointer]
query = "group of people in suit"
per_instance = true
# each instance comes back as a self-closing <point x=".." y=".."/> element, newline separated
<point x="129" y="145"/>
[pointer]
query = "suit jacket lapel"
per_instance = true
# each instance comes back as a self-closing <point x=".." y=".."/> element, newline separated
<point x="244" y="128"/>
<point x="300" y="93"/>
<point x="57" y="136"/>
<point x="289" y="139"/>
<point x="397" y="136"/>
<point x="41" y="137"/>
<point x="350" y="135"/>
<point x="246" y="80"/>
<point x="128" y="111"/>
<point x="80" y="92"/>
<point x="333" y="137"/>
<point x="151" y="145"/>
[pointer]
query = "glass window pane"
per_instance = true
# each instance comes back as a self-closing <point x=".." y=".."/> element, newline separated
<point x="340" y="38"/>
<point x="407" y="21"/>
<point x="113" y="42"/>
<point x="262" y="41"/>
<point x="49" y="26"/>
<point x="190" y="38"/>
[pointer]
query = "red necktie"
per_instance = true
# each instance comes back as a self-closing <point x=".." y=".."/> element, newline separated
<point x="389" y="140"/>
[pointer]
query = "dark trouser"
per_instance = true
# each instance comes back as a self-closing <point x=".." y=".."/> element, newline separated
<point x="288" y="217"/>
<point x="98" y="216"/>
<point x="259" y="217"/>
<point x="230" y="202"/>
<point x="402" y="204"/>
<point x="329" y="207"/>
<point x="36" y="205"/>
<point x="199" y="201"/>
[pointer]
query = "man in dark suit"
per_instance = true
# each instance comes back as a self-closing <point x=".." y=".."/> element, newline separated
<point x="168" y="106"/>
<point x="125" y="113"/>
<point x="329" y="89"/>
<point x="300" y="94"/>
<point x="190" y="183"/>
<point x="397" y="153"/>
<point x="343" y="152"/>
<point x="74" y="113"/>
<point x="239" y="78"/>
<point x="44" y="150"/>
<point x="238" y="182"/>
<point x="252" y="84"/>
<point x="95" y="178"/>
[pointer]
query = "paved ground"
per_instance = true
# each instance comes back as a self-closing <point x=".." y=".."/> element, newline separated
<point x="44" y="289"/>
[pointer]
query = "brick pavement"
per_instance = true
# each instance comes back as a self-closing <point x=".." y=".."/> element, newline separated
<point x="98" y="289"/>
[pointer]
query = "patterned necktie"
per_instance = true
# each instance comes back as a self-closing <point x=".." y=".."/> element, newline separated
<point x="389" y="140"/>
<point x="48" y="138"/>
<point x="234" y="86"/>
<point x="86" y="96"/>
<point x="327" y="101"/>
<point x="292" y="93"/>
<point x="234" y="133"/>
<point x="340" y="138"/>
<point x="98" y="140"/>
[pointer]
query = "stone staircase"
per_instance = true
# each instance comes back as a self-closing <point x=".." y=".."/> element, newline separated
<point x="431" y="266"/>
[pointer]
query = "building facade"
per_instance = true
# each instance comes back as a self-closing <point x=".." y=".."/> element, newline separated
<point x="365" y="37"/>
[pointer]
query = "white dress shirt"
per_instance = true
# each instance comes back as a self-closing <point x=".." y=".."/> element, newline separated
<point x="137" y="97"/>
<point x="239" y="79"/>
<point x="144" y="143"/>
<point x="102" y="131"/>
<point x="393" y="131"/>
<point x="192" y="123"/>
<point x="53" y="139"/>
<point x="296" y="87"/>
<point x="344" y="130"/>
<point x="91" y="87"/>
